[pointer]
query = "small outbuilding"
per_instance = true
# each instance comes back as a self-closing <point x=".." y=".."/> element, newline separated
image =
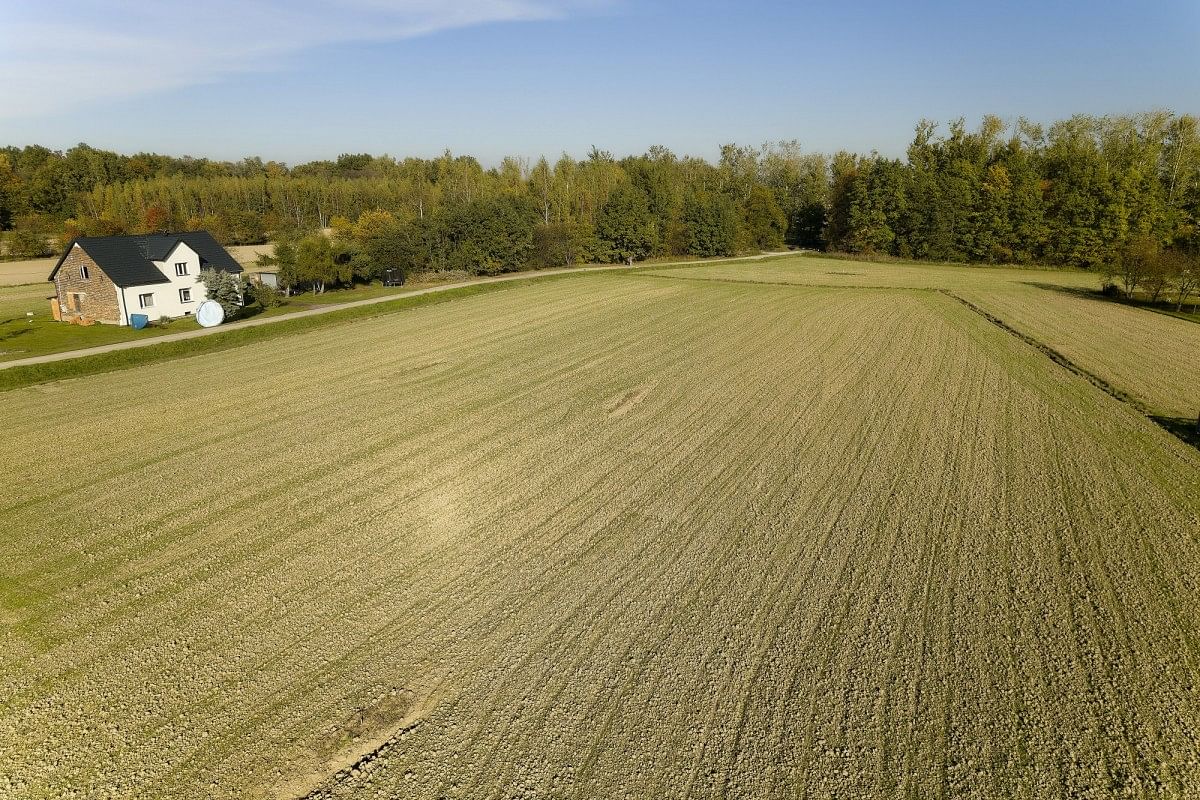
<point x="109" y="278"/>
<point x="268" y="278"/>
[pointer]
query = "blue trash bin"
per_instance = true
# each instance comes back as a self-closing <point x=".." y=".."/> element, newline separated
<point x="138" y="321"/>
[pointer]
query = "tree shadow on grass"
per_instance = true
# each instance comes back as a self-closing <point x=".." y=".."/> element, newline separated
<point x="15" y="333"/>
<point x="1160" y="307"/>
<point x="1186" y="428"/>
<point x="249" y="311"/>
<point x="1077" y="291"/>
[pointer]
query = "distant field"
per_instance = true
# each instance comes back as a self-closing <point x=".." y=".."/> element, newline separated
<point x="15" y="273"/>
<point x="1152" y="357"/>
<point x="819" y="271"/>
<point x="618" y="535"/>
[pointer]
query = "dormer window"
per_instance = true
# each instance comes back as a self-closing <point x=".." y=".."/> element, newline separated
<point x="181" y="268"/>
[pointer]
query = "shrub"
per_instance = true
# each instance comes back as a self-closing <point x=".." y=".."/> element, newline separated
<point x="24" y="243"/>
<point x="263" y="295"/>
<point x="224" y="287"/>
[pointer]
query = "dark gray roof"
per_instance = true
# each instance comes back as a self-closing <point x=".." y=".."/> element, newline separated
<point x="127" y="260"/>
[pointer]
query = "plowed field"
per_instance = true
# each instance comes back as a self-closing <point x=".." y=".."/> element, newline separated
<point x="609" y="536"/>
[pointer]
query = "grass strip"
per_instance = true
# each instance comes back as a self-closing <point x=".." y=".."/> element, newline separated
<point x="32" y="374"/>
<point x="766" y="258"/>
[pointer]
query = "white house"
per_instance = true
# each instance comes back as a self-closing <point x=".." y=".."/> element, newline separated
<point x="110" y="278"/>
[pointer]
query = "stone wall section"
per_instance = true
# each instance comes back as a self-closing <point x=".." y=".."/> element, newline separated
<point x="94" y="297"/>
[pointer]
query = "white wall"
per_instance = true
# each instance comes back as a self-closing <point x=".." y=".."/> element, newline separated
<point x="166" y="295"/>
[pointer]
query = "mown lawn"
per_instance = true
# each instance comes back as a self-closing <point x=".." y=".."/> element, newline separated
<point x="22" y="336"/>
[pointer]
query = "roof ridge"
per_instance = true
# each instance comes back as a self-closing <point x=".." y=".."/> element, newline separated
<point x="128" y="259"/>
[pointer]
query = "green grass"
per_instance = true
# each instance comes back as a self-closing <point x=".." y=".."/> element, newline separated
<point x="820" y="270"/>
<point x="1188" y="312"/>
<point x="22" y="337"/>
<point x="17" y="377"/>
<point x="307" y="300"/>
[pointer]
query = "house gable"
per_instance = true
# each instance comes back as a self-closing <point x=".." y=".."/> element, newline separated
<point x="180" y="253"/>
<point x="84" y="289"/>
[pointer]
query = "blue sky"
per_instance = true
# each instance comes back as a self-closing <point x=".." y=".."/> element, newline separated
<point x="297" y="80"/>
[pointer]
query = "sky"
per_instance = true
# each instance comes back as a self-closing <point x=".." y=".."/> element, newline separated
<point x="298" y="80"/>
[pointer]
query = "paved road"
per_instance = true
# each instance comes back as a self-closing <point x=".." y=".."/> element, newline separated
<point x="312" y="312"/>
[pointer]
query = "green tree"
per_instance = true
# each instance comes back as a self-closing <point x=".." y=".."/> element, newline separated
<point x="314" y="262"/>
<point x="1133" y="264"/>
<point x="800" y="183"/>
<point x="876" y="207"/>
<point x="1081" y="224"/>
<point x="624" y="226"/>
<point x="1026" y="225"/>
<point x="30" y="238"/>
<point x="11" y="194"/>
<point x="845" y="173"/>
<point x="1183" y="270"/>
<point x="225" y="288"/>
<point x="561" y="244"/>
<point x="764" y="223"/>
<point x="283" y="261"/>
<point x="493" y="235"/>
<point x="709" y="225"/>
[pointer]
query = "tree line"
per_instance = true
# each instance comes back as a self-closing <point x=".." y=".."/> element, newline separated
<point x="1078" y="193"/>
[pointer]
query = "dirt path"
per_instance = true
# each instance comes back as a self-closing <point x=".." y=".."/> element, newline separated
<point x="251" y="323"/>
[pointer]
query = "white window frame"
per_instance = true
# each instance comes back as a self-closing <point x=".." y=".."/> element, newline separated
<point x="83" y="272"/>
<point x="181" y="269"/>
<point x="185" y="295"/>
<point x="146" y="300"/>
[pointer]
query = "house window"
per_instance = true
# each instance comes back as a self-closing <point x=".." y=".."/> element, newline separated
<point x="83" y="271"/>
<point x="146" y="300"/>
<point x="185" y="295"/>
<point x="181" y="268"/>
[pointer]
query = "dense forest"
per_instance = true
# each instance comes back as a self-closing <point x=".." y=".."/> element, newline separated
<point x="1077" y="193"/>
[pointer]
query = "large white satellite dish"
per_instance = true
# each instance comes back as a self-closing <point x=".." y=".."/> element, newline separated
<point x="210" y="314"/>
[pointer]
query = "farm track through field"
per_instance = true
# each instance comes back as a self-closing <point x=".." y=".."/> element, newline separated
<point x="623" y="535"/>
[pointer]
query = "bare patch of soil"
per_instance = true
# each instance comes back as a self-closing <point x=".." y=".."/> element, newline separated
<point x="620" y="406"/>
<point x="350" y="746"/>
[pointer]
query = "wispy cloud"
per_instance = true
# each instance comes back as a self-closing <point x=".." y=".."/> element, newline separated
<point x="57" y="54"/>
